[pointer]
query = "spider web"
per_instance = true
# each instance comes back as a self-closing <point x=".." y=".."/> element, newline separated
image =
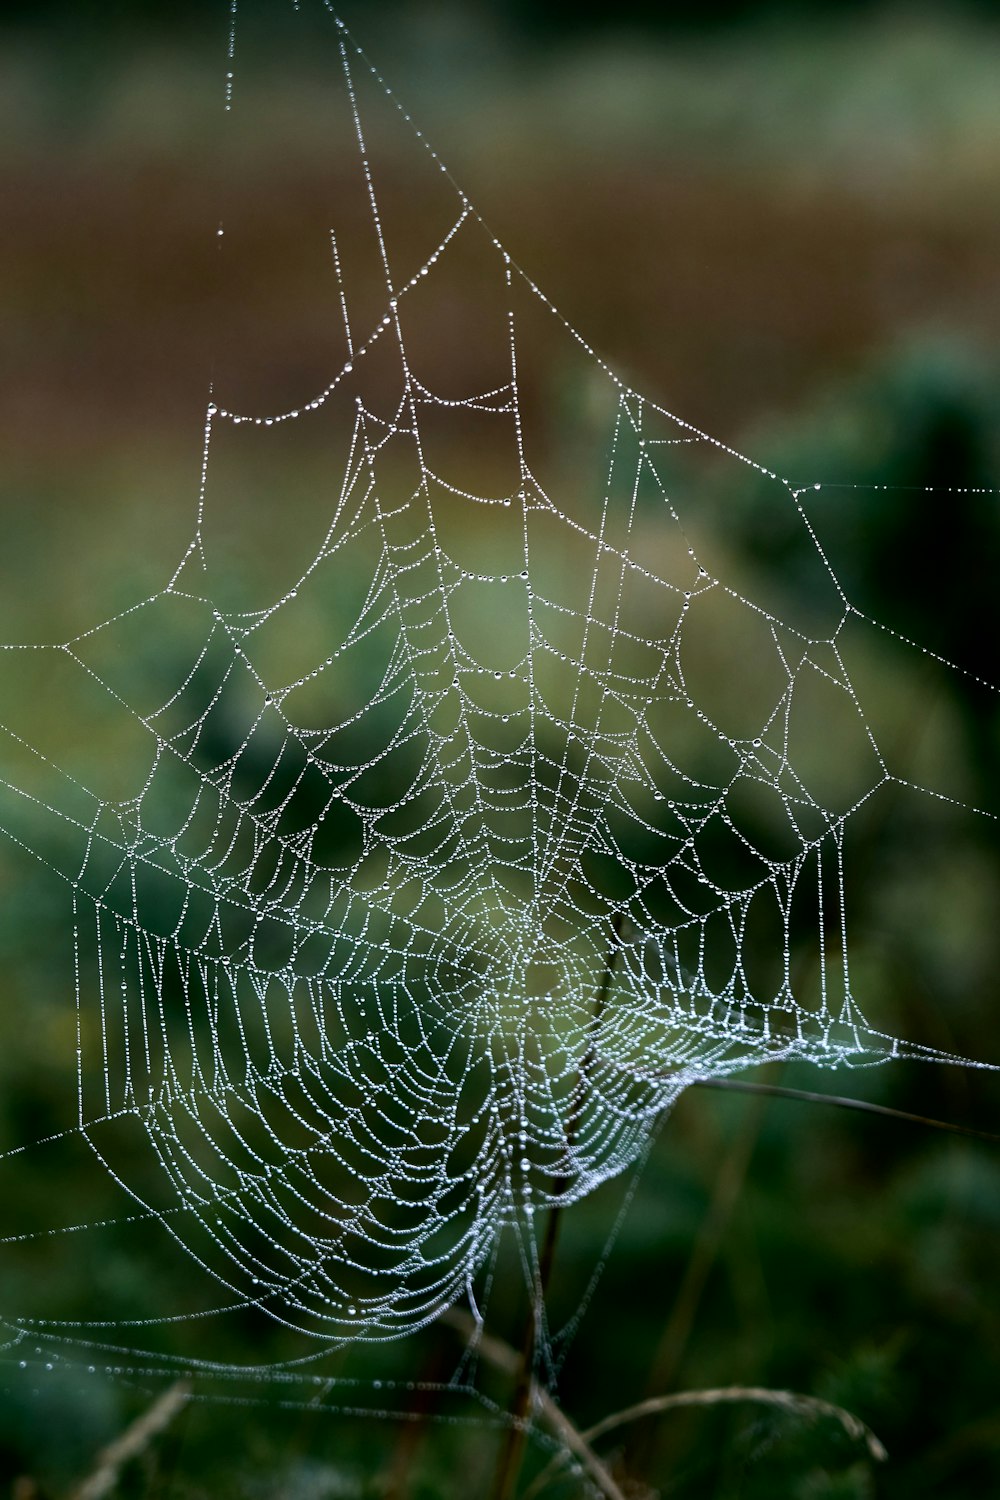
<point x="408" y="895"/>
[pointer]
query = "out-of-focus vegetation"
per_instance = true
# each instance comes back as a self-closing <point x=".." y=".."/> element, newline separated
<point x="784" y="233"/>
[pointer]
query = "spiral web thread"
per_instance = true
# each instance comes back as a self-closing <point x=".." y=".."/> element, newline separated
<point x="448" y="867"/>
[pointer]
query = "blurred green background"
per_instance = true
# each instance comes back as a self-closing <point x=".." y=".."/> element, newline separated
<point x="784" y="225"/>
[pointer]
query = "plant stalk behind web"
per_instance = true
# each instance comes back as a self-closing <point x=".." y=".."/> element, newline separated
<point x="512" y="1452"/>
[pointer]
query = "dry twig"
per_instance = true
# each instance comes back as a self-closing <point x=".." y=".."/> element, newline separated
<point x="133" y="1441"/>
<point x="792" y="1401"/>
<point x="503" y="1357"/>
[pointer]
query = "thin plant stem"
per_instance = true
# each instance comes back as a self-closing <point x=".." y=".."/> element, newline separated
<point x="396" y="1482"/>
<point x="505" y="1357"/>
<point x="778" y="1091"/>
<point x="791" y="1401"/>
<point x="512" y="1452"/>
<point x="704" y="1252"/>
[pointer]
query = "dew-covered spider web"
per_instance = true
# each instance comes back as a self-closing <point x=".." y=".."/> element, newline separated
<point x="447" y="809"/>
